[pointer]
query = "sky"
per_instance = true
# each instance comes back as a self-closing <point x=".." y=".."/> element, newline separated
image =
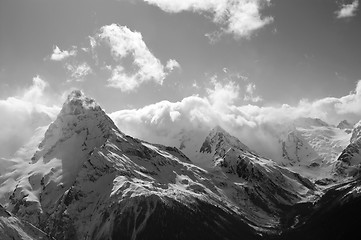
<point x="160" y="64"/>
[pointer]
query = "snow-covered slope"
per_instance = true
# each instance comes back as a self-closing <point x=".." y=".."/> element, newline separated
<point x="266" y="185"/>
<point x="296" y="150"/>
<point x="311" y="147"/>
<point x="356" y="133"/>
<point x="11" y="228"/>
<point x="5" y="165"/>
<point x="80" y="127"/>
<point x="308" y="146"/>
<point x="345" y="125"/>
<point x="349" y="161"/>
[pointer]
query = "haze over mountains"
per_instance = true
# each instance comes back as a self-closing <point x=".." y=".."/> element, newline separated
<point x="86" y="179"/>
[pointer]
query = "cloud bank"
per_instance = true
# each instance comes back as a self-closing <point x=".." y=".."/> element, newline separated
<point x="238" y="17"/>
<point x="165" y="122"/>
<point x="179" y="123"/>
<point x="22" y="115"/>
<point x="347" y="10"/>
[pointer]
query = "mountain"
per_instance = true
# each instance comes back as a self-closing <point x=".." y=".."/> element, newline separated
<point x="306" y="122"/>
<point x="11" y="228"/>
<point x="263" y="180"/>
<point x="345" y="125"/>
<point x="356" y="133"/>
<point x="349" y="162"/>
<point x="87" y="179"/>
<point x="308" y="146"/>
<point x="217" y="143"/>
<point x="334" y="216"/>
<point x="311" y="147"/>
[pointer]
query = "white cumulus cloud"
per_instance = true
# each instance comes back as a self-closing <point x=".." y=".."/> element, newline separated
<point x="347" y="10"/>
<point x="250" y="93"/>
<point x="59" y="55"/>
<point x="172" y="64"/>
<point x="78" y="72"/>
<point x="238" y="17"/>
<point x="125" y="44"/>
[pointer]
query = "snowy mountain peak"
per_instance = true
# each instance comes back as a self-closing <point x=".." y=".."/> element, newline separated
<point x="77" y="103"/>
<point x="218" y="129"/>
<point x="306" y="122"/>
<point x="219" y="139"/>
<point x="344" y="125"/>
<point x="80" y="128"/>
<point x="81" y="119"/>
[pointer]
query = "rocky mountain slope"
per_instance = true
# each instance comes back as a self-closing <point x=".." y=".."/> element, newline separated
<point x="349" y="162"/>
<point x="311" y="147"/>
<point x="232" y="157"/>
<point x="11" y="228"/>
<point x="334" y="216"/>
<point x="345" y="125"/>
<point x="308" y="146"/>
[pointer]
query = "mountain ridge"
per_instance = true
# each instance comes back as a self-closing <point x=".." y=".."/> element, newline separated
<point x="89" y="180"/>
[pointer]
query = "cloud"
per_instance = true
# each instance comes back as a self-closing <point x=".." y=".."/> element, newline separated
<point x="238" y="17"/>
<point x="351" y="103"/>
<point x="59" y="55"/>
<point x="222" y="96"/>
<point x="195" y="85"/>
<point x="35" y="91"/>
<point x="124" y="45"/>
<point x="250" y="93"/>
<point x="78" y="72"/>
<point x="170" y="123"/>
<point x="22" y="115"/>
<point x="172" y="64"/>
<point x="347" y="10"/>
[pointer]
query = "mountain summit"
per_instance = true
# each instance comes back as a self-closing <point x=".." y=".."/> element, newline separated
<point x="220" y="140"/>
<point x="345" y="125"/>
<point x="80" y="128"/>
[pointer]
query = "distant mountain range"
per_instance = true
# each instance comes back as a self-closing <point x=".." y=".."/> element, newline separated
<point x="88" y="180"/>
